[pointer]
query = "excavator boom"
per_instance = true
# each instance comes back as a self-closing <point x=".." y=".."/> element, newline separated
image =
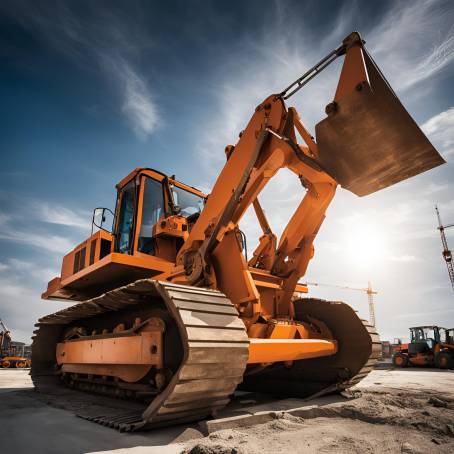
<point x="367" y="142"/>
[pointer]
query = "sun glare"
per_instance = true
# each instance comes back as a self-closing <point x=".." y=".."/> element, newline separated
<point x="365" y="242"/>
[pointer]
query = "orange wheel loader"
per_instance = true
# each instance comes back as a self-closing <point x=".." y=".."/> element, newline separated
<point x="171" y="318"/>
<point x="431" y="346"/>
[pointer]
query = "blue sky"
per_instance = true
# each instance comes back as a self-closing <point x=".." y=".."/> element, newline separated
<point x="91" y="90"/>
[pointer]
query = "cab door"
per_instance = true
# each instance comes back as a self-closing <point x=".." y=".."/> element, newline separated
<point x="151" y="209"/>
<point x="125" y="225"/>
<point x="140" y="205"/>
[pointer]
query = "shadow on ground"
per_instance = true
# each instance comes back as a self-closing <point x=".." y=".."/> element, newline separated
<point x="28" y="425"/>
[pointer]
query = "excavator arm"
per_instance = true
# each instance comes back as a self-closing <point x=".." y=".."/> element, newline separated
<point x="212" y="254"/>
<point x="359" y="145"/>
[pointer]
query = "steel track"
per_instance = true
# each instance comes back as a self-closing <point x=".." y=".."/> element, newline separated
<point x="359" y="348"/>
<point x="215" y="353"/>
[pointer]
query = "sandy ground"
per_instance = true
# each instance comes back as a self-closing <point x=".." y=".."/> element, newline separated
<point x="392" y="411"/>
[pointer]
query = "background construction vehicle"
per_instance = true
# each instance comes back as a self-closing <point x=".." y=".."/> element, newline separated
<point x="12" y="354"/>
<point x="386" y="349"/>
<point x="428" y="346"/>
<point x="173" y="317"/>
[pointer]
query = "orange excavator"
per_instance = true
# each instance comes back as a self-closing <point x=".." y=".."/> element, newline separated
<point x="171" y="317"/>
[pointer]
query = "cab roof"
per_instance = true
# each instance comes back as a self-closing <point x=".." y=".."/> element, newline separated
<point x="428" y="326"/>
<point x="159" y="176"/>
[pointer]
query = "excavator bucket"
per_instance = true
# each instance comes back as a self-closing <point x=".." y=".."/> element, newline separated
<point x="368" y="140"/>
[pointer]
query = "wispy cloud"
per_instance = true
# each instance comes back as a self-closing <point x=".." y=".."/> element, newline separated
<point x="15" y="226"/>
<point x="414" y="41"/>
<point x="15" y="266"/>
<point x="138" y="104"/>
<point x="440" y="129"/>
<point x="262" y="68"/>
<point x="49" y="242"/>
<point x="104" y="39"/>
<point x="56" y="214"/>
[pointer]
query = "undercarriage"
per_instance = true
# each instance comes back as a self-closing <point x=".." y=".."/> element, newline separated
<point x="205" y="351"/>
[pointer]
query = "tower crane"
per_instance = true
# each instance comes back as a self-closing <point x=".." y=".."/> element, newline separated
<point x="369" y="291"/>
<point x="447" y="254"/>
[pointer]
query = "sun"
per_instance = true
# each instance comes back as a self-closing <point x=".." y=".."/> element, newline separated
<point x="365" y="242"/>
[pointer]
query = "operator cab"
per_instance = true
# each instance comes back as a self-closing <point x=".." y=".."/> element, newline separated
<point x="143" y="203"/>
<point x="424" y="338"/>
<point x="447" y="336"/>
<point x="153" y="216"/>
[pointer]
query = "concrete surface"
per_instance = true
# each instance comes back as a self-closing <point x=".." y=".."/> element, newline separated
<point x="411" y="378"/>
<point x="28" y="425"/>
<point x="14" y="380"/>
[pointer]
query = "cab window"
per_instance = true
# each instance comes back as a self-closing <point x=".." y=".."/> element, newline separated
<point x="188" y="202"/>
<point x="153" y="209"/>
<point x="126" y="219"/>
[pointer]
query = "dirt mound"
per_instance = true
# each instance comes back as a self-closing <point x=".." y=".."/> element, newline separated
<point x="215" y="449"/>
<point x="434" y="414"/>
<point x="286" y="422"/>
<point x="381" y="421"/>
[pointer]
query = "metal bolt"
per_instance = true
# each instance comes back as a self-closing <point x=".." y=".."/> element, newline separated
<point x="331" y="108"/>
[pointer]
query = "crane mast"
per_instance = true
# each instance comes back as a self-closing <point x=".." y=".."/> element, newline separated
<point x="447" y="254"/>
<point x="370" y="300"/>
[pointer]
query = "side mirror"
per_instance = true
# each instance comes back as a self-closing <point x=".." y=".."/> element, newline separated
<point x="100" y="219"/>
